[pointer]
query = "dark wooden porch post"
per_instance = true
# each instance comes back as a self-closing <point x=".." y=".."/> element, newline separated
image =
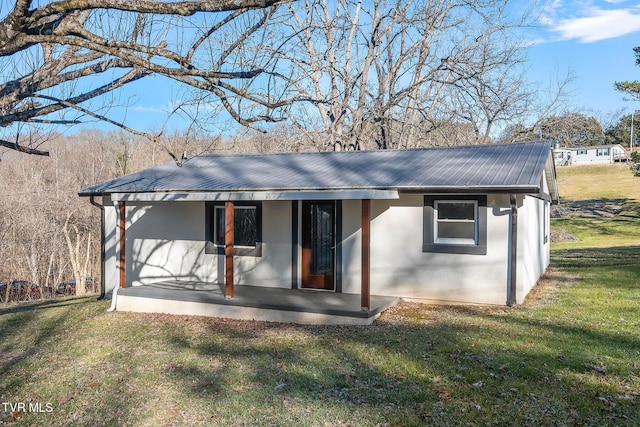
<point x="365" y="297"/>
<point x="228" y="248"/>
<point x="122" y="212"/>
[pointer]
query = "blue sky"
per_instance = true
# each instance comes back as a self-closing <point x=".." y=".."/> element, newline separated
<point x="593" y="39"/>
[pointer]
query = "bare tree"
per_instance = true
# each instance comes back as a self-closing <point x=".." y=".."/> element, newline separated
<point x="570" y="129"/>
<point x="37" y="198"/>
<point x="386" y="73"/>
<point x="79" y="267"/>
<point x="61" y="60"/>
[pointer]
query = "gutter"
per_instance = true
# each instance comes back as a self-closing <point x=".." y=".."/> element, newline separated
<point x="513" y="252"/>
<point x="102" y="245"/>
<point x="293" y="193"/>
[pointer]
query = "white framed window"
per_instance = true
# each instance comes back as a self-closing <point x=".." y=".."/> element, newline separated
<point x="456" y="222"/>
<point x="602" y="152"/>
<point x="582" y="152"/>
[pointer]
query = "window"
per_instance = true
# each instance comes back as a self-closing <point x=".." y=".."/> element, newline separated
<point x="602" y="152"/>
<point x="582" y="152"/>
<point x="545" y="219"/>
<point x="455" y="224"/>
<point x="247" y="228"/>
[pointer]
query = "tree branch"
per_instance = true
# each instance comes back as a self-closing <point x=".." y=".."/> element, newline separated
<point x="27" y="150"/>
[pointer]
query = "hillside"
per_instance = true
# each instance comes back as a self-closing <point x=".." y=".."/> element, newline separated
<point x="599" y="207"/>
<point x="597" y="182"/>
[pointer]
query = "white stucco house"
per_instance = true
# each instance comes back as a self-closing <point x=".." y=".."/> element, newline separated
<point x="311" y="237"/>
<point x="589" y="154"/>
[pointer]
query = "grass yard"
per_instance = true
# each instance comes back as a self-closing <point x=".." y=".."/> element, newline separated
<point x="569" y="356"/>
<point x="592" y="182"/>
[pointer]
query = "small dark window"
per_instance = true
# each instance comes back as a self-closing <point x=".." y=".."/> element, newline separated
<point x="247" y="229"/>
<point x="245" y="226"/>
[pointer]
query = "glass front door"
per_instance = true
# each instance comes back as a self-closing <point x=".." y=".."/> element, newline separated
<point x="318" y="244"/>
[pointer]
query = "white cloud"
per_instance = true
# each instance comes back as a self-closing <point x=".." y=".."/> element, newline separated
<point x="148" y="109"/>
<point x="601" y="25"/>
<point x="591" y="24"/>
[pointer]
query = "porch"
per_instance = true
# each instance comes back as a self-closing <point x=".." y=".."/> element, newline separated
<point x="252" y="303"/>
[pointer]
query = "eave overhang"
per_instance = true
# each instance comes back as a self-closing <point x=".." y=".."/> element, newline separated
<point x="326" y="194"/>
<point x="207" y="196"/>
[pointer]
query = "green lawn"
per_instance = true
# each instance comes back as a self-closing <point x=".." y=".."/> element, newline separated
<point x="569" y="356"/>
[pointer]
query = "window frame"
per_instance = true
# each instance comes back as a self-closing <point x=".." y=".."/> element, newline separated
<point x="546" y="219"/>
<point x="431" y="243"/>
<point x="437" y="222"/>
<point x="213" y="210"/>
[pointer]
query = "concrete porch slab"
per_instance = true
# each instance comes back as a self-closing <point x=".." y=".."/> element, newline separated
<point x="252" y="303"/>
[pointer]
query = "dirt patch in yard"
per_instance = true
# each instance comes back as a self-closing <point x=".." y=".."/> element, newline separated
<point x="561" y="236"/>
<point x="588" y="208"/>
<point x="545" y="291"/>
<point x="598" y="209"/>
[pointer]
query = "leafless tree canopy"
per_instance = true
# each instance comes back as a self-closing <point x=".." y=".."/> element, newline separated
<point x="49" y="235"/>
<point x="59" y="59"/>
<point x="571" y="129"/>
<point x="389" y="73"/>
<point x="350" y="74"/>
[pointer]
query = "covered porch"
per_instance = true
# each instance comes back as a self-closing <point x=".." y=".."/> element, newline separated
<point x="252" y="303"/>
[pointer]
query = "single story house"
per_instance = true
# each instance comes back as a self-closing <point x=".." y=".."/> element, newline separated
<point x="589" y="154"/>
<point x="331" y="235"/>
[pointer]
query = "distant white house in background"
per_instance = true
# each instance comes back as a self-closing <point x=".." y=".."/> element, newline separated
<point x="589" y="154"/>
<point x="459" y="224"/>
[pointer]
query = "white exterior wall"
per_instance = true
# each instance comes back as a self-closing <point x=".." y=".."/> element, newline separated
<point x="111" y="238"/>
<point x="165" y="241"/>
<point x="400" y="268"/>
<point x="351" y="246"/>
<point x="168" y="241"/>
<point x="592" y="157"/>
<point x="273" y="268"/>
<point x="533" y="251"/>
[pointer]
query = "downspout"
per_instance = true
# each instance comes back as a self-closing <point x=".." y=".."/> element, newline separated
<point x="114" y="297"/>
<point x="513" y="249"/>
<point x="102" y="245"/>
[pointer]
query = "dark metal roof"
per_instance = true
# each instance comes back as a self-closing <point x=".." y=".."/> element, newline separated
<point x="514" y="167"/>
